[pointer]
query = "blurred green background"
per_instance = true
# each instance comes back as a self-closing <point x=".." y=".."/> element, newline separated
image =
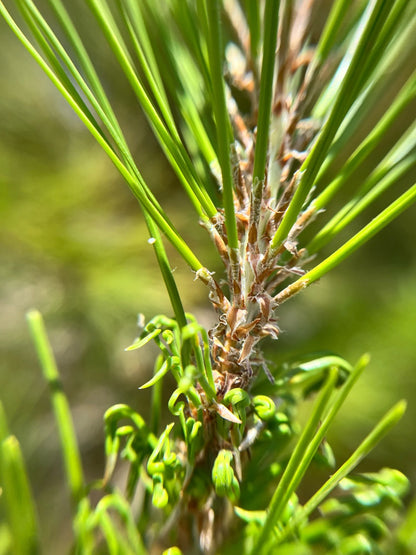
<point x="73" y="244"/>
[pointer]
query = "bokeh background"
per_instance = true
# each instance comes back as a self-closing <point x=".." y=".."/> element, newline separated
<point x="73" y="244"/>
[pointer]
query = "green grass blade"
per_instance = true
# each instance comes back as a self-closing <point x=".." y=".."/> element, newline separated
<point x="406" y="97"/>
<point x="394" y="70"/>
<point x="191" y="20"/>
<point x="347" y="94"/>
<point x="21" y="534"/>
<point x="378" y="51"/>
<point x="118" y="504"/>
<point x="196" y="127"/>
<point x="163" y="370"/>
<point x="207" y="359"/>
<point x="329" y="34"/>
<point x="85" y="60"/>
<point x="113" y="539"/>
<point x="145" y="54"/>
<point x="166" y="271"/>
<point x="94" y="92"/>
<point x="380" y="221"/>
<point x="215" y="48"/>
<point x="188" y="93"/>
<point x="142" y="341"/>
<point x="252" y="10"/>
<point x="406" y="535"/>
<point x="18" y="498"/>
<point x="271" y="20"/>
<point x="170" y="142"/>
<point x="204" y="374"/>
<point x="393" y="20"/>
<point x="112" y="124"/>
<point x="185" y="85"/>
<point x="83" y="529"/>
<point x="136" y="185"/>
<point x="373" y="438"/>
<point x="285" y="489"/>
<point x="32" y="17"/>
<point x="156" y="410"/>
<point x="168" y="279"/>
<point x="327" y="420"/>
<point x="143" y="47"/>
<point x="378" y="183"/>
<point x="102" y="107"/>
<point x="5" y="539"/>
<point x="45" y="36"/>
<point x="173" y="149"/>
<point x="69" y="445"/>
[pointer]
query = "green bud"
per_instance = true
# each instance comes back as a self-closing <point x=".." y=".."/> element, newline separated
<point x="160" y="496"/>
<point x="355" y="545"/>
<point x="264" y="407"/>
<point x="168" y="336"/>
<point x="290" y="508"/>
<point x="225" y="482"/>
<point x="170" y="460"/>
<point x="237" y="396"/>
<point x="325" y="456"/>
<point x="172" y="551"/>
